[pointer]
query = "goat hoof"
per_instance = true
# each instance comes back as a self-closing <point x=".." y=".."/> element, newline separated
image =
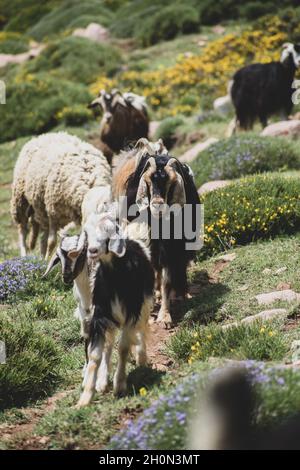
<point x="102" y="387"/>
<point x="84" y="400"/>
<point x="120" y="389"/>
<point x="164" y="317"/>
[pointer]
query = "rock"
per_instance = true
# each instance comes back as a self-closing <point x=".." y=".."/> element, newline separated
<point x="153" y="126"/>
<point x="295" y="350"/>
<point x="266" y="315"/>
<point x="192" y="153"/>
<point x="212" y="186"/>
<point x="223" y="105"/>
<point x="283" y="286"/>
<point x="295" y="116"/>
<point x="228" y="257"/>
<point x="267" y="271"/>
<point x="94" y="31"/>
<point x="287" y="295"/>
<point x="280" y="270"/>
<point x="283" y="128"/>
<point x="218" y="29"/>
<point x="243" y="288"/>
<point x="261" y="316"/>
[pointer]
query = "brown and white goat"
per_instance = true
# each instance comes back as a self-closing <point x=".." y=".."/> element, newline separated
<point x="125" y="120"/>
<point x="156" y="183"/>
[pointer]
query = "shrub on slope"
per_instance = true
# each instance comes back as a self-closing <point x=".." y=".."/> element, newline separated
<point x="35" y="104"/>
<point x="245" y="155"/>
<point x="256" y="207"/>
<point x="76" y="59"/>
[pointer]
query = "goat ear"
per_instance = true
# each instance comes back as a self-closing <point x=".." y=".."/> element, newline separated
<point x="75" y="252"/>
<point x="53" y="262"/>
<point x="142" y="200"/>
<point x="117" y="244"/>
<point x="179" y="195"/>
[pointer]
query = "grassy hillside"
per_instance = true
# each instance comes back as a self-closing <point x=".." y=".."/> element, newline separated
<point x="180" y="56"/>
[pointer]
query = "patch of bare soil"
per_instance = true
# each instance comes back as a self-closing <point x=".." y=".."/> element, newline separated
<point x="21" y="435"/>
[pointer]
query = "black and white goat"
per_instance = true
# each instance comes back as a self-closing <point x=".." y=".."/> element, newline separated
<point x="121" y="279"/>
<point x="156" y="182"/>
<point x="261" y="90"/>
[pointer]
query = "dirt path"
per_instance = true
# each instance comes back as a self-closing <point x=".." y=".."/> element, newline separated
<point x="21" y="435"/>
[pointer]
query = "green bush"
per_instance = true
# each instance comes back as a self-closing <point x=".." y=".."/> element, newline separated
<point x="167" y="23"/>
<point x="34" y="104"/>
<point x="154" y="21"/>
<point x="13" y="43"/>
<point x="253" y="10"/>
<point x="257" y="341"/>
<point x="167" y="130"/>
<point x="245" y="155"/>
<point x="76" y="59"/>
<point x="63" y="17"/>
<point x="32" y="363"/>
<point x="19" y="15"/>
<point x="256" y="207"/>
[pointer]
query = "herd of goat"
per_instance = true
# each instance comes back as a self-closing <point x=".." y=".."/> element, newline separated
<point x="114" y="264"/>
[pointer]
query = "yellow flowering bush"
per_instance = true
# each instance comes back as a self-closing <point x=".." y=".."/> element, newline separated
<point x="206" y="74"/>
<point x="255" y="207"/>
<point x="259" y="341"/>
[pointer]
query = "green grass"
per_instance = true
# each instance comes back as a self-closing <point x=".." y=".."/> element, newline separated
<point x="231" y="296"/>
<point x="260" y="342"/>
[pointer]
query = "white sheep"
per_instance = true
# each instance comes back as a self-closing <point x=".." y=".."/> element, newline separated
<point x="52" y="176"/>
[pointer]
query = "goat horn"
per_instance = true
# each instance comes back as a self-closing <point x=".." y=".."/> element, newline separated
<point x="171" y="162"/>
<point x="144" y="144"/>
<point x="152" y="162"/>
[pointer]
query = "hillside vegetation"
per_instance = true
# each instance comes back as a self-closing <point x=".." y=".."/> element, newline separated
<point x="180" y="56"/>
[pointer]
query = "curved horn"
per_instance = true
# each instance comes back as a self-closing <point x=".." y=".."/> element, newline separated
<point x="172" y="162"/>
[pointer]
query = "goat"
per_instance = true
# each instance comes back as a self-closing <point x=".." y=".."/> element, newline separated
<point x="122" y="282"/>
<point x="154" y="181"/>
<point x="260" y="90"/>
<point x="125" y="119"/>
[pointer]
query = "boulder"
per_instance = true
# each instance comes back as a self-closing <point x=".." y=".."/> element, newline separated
<point x="261" y="316"/>
<point x="212" y="186"/>
<point x="283" y="128"/>
<point x="192" y="153"/>
<point x="287" y="295"/>
<point x="153" y="126"/>
<point x="223" y="105"/>
<point x="94" y="31"/>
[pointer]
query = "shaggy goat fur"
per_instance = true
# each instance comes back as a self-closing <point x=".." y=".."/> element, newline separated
<point x="260" y="90"/>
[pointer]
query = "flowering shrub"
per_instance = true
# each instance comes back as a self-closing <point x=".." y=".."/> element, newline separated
<point x="245" y="155"/>
<point x="16" y="274"/>
<point x="257" y="341"/>
<point x="255" y="207"/>
<point x="204" y="74"/>
<point x="164" y="424"/>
